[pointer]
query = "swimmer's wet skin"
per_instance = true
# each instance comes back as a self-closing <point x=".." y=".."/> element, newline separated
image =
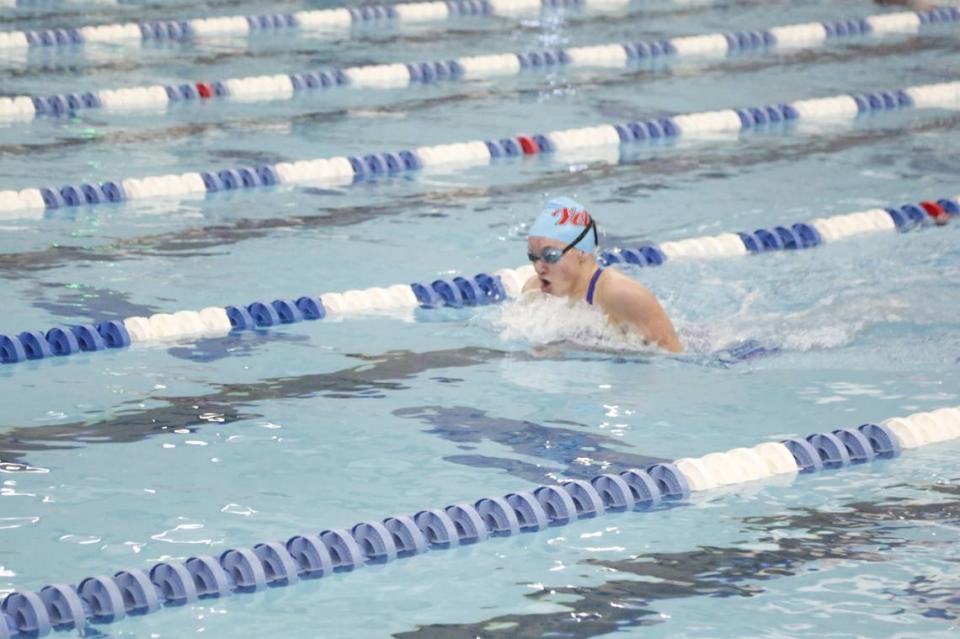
<point x="561" y="245"/>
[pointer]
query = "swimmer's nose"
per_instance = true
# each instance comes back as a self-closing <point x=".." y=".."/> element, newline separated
<point x="540" y="267"/>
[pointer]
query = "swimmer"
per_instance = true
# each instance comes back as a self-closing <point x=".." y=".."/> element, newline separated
<point x="561" y="245"/>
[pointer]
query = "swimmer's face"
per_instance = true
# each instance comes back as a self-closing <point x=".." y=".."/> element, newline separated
<point x="560" y="278"/>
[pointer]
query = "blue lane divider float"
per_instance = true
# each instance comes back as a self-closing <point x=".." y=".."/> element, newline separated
<point x="286" y="86"/>
<point x="104" y="598"/>
<point x="344" y="170"/>
<point x="457" y="292"/>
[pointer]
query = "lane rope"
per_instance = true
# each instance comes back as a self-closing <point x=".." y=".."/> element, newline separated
<point x="347" y="170"/>
<point x="320" y="21"/>
<point x="103" y="599"/>
<point x="392" y="76"/>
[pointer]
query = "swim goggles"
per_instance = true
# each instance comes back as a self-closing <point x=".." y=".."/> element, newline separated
<point x="552" y="255"/>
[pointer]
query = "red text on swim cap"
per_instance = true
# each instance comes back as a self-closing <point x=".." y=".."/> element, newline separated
<point x="573" y="217"/>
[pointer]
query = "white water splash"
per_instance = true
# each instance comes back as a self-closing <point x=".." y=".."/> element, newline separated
<point x="832" y="321"/>
<point x="545" y="320"/>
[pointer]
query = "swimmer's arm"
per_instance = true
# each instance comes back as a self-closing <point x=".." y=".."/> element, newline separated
<point x="638" y="306"/>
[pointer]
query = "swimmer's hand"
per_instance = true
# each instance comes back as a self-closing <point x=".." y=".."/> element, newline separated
<point x="532" y="284"/>
<point x="548" y="351"/>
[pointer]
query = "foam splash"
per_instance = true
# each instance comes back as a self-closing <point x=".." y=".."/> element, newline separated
<point x="830" y="322"/>
<point x="833" y="321"/>
<point x="545" y="320"/>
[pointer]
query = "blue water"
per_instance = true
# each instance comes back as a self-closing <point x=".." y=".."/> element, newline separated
<point x="121" y="459"/>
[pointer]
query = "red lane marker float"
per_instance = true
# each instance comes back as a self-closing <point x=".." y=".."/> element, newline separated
<point x="934" y="210"/>
<point x="528" y="145"/>
<point x="204" y="90"/>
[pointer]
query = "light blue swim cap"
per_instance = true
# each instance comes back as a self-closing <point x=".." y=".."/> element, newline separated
<point x="563" y="218"/>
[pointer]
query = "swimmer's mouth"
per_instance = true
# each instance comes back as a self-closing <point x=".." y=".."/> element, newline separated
<point x="544" y="285"/>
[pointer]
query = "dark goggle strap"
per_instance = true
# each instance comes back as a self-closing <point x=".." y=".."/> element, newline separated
<point x="583" y="234"/>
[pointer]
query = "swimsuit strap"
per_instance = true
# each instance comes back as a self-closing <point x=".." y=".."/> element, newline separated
<point x="593" y="285"/>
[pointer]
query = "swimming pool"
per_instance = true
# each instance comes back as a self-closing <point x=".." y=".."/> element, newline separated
<point x="126" y="457"/>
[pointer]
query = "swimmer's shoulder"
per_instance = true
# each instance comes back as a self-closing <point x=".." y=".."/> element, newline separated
<point x="615" y="289"/>
<point x="628" y="302"/>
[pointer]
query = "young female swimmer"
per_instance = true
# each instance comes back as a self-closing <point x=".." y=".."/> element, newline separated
<point x="561" y="246"/>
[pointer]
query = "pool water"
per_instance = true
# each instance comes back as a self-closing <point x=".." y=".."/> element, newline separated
<point x="123" y="458"/>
